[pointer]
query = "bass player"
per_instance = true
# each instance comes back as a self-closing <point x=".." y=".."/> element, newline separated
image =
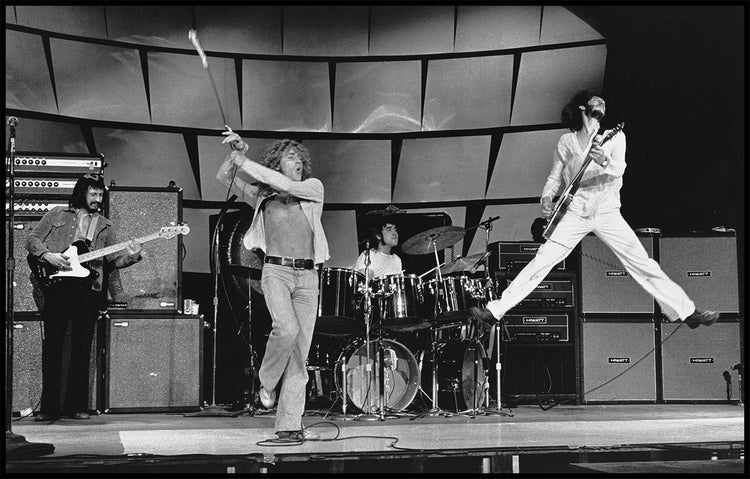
<point x="73" y="303"/>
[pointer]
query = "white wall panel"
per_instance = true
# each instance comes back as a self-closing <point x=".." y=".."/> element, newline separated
<point x="48" y="136"/>
<point x="27" y="81"/>
<point x="238" y="28"/>
<point x="353" y="171"/>
<point x="81" y="20"/>
<point x="496" y="27"/>
<point x="182" y="93"/>
<point x="325" y="30"/>
<point x="341" y="233"/>
<point x="523" y="164"/>
<point x="381" y="97"/>
<point x="559" y="25"/>
<point x="548" y="79"/>
<point x="158" y="25"/>
<point x="146" y="158"/>
<point x="514" y="224"/>
<point x="411" y="29"/>
<point x="442" y="169"/>
<point x="99" y="81"/>
<point x="466" y="93"/>
<point x="286" y="96"/>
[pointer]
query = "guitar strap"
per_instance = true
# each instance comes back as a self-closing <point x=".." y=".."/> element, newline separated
<point x="92" y="227"/>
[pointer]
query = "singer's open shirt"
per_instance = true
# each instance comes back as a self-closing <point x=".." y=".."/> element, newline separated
<point x="309" y="192"/>
<point x="599" y="190"/>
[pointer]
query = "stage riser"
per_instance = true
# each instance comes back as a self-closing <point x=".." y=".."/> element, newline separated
<point x="153" y="363"/>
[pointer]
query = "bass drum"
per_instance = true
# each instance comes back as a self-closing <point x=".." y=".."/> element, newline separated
<point x="458" y="386"/>
<point x="400" y="374"/>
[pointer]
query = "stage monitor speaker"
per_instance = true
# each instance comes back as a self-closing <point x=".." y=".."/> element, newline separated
<point x="605" y="285"/>
<point x="27" y="295"/>
<point x="611" y="350"/>
<point x="705" y="267"/>
<point x="155" y="283"/>
<point x="694" y="361"/>
<point x="153" y="363"/>
<point x="28" y="334"/>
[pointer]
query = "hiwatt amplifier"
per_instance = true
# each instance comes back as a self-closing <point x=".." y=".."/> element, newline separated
<point x="67" y="164"/>
<point x="33" y="208"/>
<point x="537" y="328"/>
<point x="513" y="256"/>
<point x="42" y="186"/>
<point x="552" y="293"/>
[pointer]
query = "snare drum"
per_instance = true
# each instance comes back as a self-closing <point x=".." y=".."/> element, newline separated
<point x="454" y="296"/>
<point x="399" y="302"/>
<point x="337" y="302"/>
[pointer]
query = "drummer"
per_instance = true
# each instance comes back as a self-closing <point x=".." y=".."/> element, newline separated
<point x="383" y="261"/>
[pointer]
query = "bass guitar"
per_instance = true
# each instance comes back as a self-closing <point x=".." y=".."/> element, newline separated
<point x="78" y="254"/>
<point x="567" y="195"/>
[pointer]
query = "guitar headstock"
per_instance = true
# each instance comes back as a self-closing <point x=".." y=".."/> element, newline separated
<point x="617" y="129"/>
<point x="171" y="231"/>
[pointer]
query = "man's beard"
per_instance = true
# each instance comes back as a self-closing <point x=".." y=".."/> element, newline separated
<point x="93" y="207"/>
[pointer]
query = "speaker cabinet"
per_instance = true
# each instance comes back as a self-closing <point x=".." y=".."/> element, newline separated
<point x="155" y="283"/>
<point x="706" y="268"/>
<point x="611" y="348"/>
<point x="28" y="334"/>
<point x="605" y="285"/>
<point x="27" y="295"/>
<point x="27" y="364"/>
<point x="530" y="369"/>
<point x="694" y="361"/>
<point x="153" y="363"/>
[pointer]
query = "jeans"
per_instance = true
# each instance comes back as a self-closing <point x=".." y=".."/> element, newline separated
<point x="614" y="231"/>
<point x="292" y="299"/>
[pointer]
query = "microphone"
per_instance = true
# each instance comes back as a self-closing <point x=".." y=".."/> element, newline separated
<point x="12" y="121"/>
<point x="473" y="269"/>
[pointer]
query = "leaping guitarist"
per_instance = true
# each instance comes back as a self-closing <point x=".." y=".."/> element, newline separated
<point x="590" y="167"/>
<point x="73" y="303"/>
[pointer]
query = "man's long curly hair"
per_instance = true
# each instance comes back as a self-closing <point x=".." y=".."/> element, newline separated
<point x="571" y="113"/>
<point x="271" y="158"/>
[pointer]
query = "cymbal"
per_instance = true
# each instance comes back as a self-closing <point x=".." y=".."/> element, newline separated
<point x="243" y="271"/>
<point x="461" y="264"/>
<point x="442" y="236"/>
<point x="388" y="211"/>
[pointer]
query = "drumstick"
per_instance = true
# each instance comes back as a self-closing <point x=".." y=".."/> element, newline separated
<point x="193" y="36"/>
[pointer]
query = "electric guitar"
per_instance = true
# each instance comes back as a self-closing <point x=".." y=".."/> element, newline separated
<point x="78" y="253"/>
<point x="567" y="195"/>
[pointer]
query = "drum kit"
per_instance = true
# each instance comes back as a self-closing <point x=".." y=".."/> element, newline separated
<point x="379" y="375"/>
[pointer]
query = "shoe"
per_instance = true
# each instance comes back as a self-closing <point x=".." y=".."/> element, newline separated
<point x="302" y="435"/>
<point x="483" y="315"/>
<point x="267" y="398"/>
<point x="701" y="317"/>
<point x="42" y="417"/>
<point x="80" y="415"/>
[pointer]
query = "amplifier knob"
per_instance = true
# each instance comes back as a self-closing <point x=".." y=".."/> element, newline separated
<point x="44" y="162"/>
<point x="56" y="184"/>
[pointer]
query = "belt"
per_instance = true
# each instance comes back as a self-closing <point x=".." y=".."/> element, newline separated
<point x="296" y="263"/>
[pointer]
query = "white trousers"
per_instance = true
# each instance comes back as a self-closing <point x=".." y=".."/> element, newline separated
<point x="614" y="231"/>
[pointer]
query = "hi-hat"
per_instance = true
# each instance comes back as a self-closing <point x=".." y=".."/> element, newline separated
<point x="442" y="237"/>
<point x="462" y="264"/>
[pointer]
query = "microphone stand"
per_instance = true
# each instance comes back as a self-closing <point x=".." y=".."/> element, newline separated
<point x="368" y="415"/>
<point x="16" y="446"/>
<point x="215" y="410"/>
<point x="500" y="327"/>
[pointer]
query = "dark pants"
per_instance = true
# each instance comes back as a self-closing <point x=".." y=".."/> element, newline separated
<point x="76" y="307"/>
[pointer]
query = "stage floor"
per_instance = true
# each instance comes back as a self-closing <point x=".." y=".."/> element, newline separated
<point x="529" y="429"/>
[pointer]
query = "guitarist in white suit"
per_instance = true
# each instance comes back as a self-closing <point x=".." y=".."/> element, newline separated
<point x="73" y="302"/>
<point x="593" y="207"/>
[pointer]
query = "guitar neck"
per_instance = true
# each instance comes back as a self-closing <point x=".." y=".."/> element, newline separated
<point x="92" y="255"/>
